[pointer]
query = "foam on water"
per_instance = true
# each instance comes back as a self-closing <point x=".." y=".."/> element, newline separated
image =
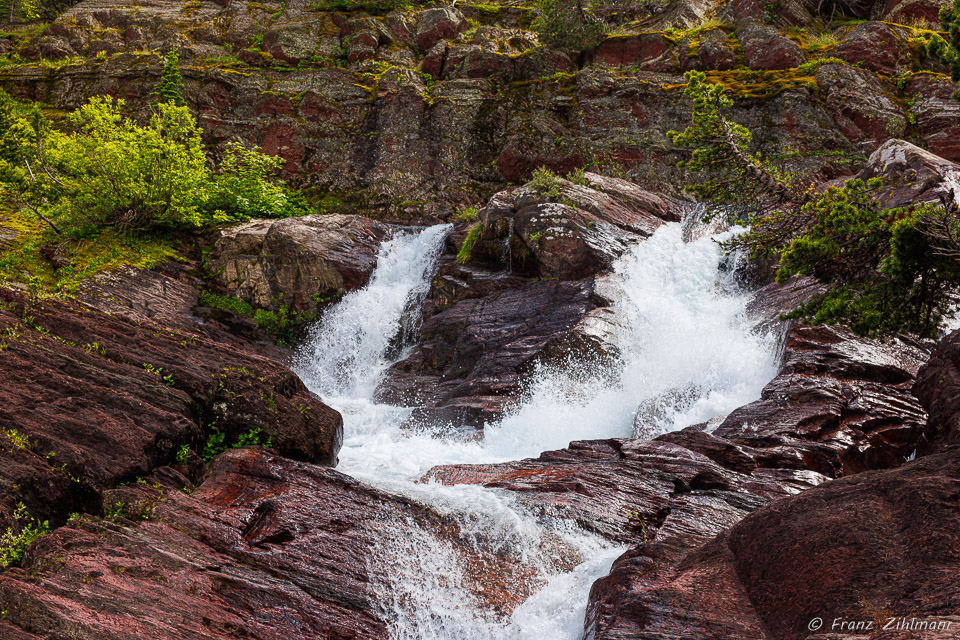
<point x="687" y="354"/>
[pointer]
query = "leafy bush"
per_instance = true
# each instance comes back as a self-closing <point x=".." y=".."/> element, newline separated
<point x="282" y="323"/>
<point x="244" y="189"/>
<point x="13" y="545"/>
<point x="110" y="172"/>
<point x="545" y="182"/>
<point x="948" y="51"/>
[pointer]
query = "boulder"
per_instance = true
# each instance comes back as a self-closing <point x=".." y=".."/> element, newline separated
<point x="716" y="52"/>
<point x="878" y="547"/>
<point x="634" y="490"/>
<point x="911" y="174"/>
<point x="848" y="398"/>
<point x="938" y="388"/>
<point x="906" y="11"/>
<point x="646" y="51"/>
<point x="296" y="261"/>
<point x="530" y="293"/>
<point x="89" y="400"/>
<point x="574" y="234"/>
<point x="765" y="49"/>
<point x="266" y="547"/>
<point x="436" y="24"/>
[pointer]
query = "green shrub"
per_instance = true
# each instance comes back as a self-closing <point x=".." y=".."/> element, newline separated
<point x="110" y="172"/>
<point x="884" y="273"/>
<point x="213" y="445"/>
<point x="568" y="24"/>
<point x="948" y="51"/>
<point x="282" y="323"/>
<point x="245" y="189"/>
<point x="13" y="545"/>
<point x="170" y="87"/>
<point x="253" y="438"/>
<point x="206" y="298"/>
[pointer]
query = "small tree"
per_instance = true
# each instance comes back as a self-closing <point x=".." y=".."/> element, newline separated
<point x="170" y="87"/>
<point x="720" y="152"/>
<point x="568" y="24"/>
<point x="20" y="10"/>
<point x="948" y="51"/>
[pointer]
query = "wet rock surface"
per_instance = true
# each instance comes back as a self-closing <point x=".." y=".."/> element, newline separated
<point x="888" y="538"/>
<point x="840" y="404"/>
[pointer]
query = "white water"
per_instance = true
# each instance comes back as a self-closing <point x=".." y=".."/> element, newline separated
<point x="687" y="356"/>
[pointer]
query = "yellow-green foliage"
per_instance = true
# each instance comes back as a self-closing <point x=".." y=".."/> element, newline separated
<point x="745" y="83"/>
<point x="15" y="439"/>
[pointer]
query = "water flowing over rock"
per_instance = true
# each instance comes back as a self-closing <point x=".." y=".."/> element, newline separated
<point x="488" y="323"/>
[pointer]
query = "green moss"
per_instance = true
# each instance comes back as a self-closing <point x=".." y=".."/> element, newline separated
<point x="23" y="259"/>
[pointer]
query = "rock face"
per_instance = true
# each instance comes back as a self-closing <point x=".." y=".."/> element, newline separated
<point x="266" y="547"/>
<point x="294" y="262"/>
<point x="528" y="294"/>
<point x="938" y="388"/>
<point x="89" y="400"/>
<point x="845" y="401"/>
<point x="343" y="99"/>
<point x="767" y="50"/>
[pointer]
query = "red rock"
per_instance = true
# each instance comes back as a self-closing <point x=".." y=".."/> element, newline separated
<point x="764" y="48"/>
<point x="851" y="396"/>
<point x="910" y="174"/>
<point x="876" y="47"/>
<point x="866" y="548"/>
<point x="905" y="11"/>
<point x="647" y="51"/>
<point x="74" y="382"/>
<point x="938" y="388"/>
<point x="266" y="547"/>
<point x="864" y="107"/>
<point x="436" y="24"/>
<point x="715" y="52"/>
<point x="937" y="113"/>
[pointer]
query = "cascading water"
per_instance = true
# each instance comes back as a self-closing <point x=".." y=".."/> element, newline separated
<point x="687" y="354"/>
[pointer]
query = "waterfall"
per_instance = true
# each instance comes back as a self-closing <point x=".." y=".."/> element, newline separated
<point x="687" y="355"/>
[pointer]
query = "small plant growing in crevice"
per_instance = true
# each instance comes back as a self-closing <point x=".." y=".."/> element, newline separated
<point x="545" y="182"/>
<point x="13" y="544"/>
<point x="463" y="256"/>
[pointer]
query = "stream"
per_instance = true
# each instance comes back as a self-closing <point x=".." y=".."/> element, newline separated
<point x="688" y="354"/>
